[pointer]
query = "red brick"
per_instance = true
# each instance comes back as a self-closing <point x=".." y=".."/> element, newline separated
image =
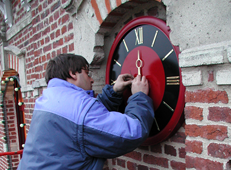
<point x="156" y="148"/>
<point x="46" y="31"/>
<point x="177" y="165"/>
<point x="57" y="43"/>
<point x="65" y="18"/>
<point x="54" y="26"/>
<point x="219" y="150"/>
<point x="169" y="150"/>
<point x="220" y="114"/>
<point x="64" y="49"/>
<point x="150" y="159"/>
<point x="37" y="36"/>
<point x="57" y="33"/>
<point x="192" y="112"/>
<point x="142" y="167"/>
<point x="114" y="161"/>
<point x="131" y="165"/>
<point x="56" y="15"/>
<point x="52" y="35"/>
<point x="47" y="39"/>
<point x="40" y="8"/>
<point x="42" y="41"/>
<point x="47" y="48"/>
<point x="55" y="6"/>
<point x="64" y="29"/>
<point x="37" y="52"/>
<point x="154" y="169"/>
<point x="194" y="146"/>
<point x="69" y="37"/>
<point x="36" y="20"/>
<point x="178" y="137"/>
<point x="70" y="26"/>
<point x="71" y="47"/>
<point x="202" y="164"/>
<point x="215" y="132"/>
<point x="206" y="96"/>
<point x="59" y="51"/>
<point x="134" y="155"/>
<point x="51" y="19"/>
<point x="182" y="152"/>
<point x="121" y="162"/>
<point x="211" y="76"/>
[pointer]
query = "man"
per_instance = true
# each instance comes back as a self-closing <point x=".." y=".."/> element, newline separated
<point x="70" y="129"/>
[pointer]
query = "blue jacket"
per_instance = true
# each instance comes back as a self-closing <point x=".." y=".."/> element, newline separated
<point x="72" y="130"/>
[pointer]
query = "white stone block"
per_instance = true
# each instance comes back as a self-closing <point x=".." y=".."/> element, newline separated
<point x="202" y="57"/>
<point x="192" y="78"/>
<point x="223" y="77"/>
<point x="229" y="53"/>
<point x="35" y="92"/>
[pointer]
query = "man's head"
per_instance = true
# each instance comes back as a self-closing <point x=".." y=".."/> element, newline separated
<point x="70" y="67"/>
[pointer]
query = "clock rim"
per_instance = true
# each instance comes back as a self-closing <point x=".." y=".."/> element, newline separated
<point x="177" y="117"/>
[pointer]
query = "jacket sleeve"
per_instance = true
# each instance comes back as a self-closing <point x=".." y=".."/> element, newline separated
<point x="111" y="134"/>
<point x="110" y="99"/>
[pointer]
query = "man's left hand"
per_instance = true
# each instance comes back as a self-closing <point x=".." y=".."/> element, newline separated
<point x="122" y="81"/>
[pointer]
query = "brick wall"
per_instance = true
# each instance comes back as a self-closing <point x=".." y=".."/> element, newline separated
<point x="207" y="110"/>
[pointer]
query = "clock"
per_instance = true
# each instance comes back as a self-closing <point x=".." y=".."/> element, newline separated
<point x="143" y="47"/>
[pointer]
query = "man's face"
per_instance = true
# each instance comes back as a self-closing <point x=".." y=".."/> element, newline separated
<point x="84" y="80"/>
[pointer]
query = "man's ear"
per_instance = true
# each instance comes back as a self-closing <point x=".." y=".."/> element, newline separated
<point x="74" y="76"/>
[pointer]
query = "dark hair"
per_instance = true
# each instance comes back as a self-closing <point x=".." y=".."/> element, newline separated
<point x="60" y="66"/>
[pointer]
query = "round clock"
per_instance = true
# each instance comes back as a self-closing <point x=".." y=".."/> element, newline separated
<point x="143" y="47"/>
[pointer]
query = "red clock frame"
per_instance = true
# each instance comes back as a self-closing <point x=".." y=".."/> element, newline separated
<point x="177" y="117"/>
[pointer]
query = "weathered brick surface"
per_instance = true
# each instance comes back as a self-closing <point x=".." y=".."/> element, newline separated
<point x="215" y="132"/>
<point x="150" y="159"/>
<point x="194" y="146"/>
<point x="220" y="114"/>
<point x="192" y="112"/>
<point x="206" y="96"/>
<point x="219" y="150"/>
<point x="134" y="155"/>
<point x="202" y="164"/>
<point x="169" y="150"/>
<point x="177" y="165"/>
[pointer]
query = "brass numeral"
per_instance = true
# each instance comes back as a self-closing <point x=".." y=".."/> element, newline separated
<point x="168" y="106"/>
<point x="139" y="35"/>
<point x="117" y="63"/>
<point x="125" y="45"/>
<point x="173" y="80"/>
<point x="154" y="39"/>
<point x="170" y="52"/>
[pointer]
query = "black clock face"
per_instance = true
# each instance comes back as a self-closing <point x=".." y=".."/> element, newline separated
<point x="159" y="63"/>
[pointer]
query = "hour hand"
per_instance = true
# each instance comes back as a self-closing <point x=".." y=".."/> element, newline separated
<point x="139" y="63"/>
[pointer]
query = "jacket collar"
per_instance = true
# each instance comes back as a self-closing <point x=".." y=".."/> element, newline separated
<point x="56" y="82"/>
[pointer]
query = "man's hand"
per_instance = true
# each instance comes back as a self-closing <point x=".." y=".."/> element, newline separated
<point x="122" y="81"/>
<point x="140" y="84"/>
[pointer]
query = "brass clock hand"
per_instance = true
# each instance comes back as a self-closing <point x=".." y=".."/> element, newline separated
<point x="140" y="65"/>
<point x="139" y="73"/>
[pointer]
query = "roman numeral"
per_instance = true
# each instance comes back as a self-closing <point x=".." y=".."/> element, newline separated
<point x="139" y="35"/>
<point x="173" y="80"/>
